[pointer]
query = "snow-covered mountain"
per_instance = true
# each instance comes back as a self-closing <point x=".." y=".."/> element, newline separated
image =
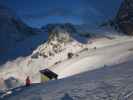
<point x="109" y="49"/>
<point x="12" y="29"/>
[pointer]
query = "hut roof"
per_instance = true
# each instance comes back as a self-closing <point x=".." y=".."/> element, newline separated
<point x="50" y="74"/>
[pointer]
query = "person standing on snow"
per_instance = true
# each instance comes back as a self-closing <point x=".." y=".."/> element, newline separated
<point x="28" y="81"/>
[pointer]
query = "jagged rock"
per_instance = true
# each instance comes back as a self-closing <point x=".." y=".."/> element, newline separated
<point x="124" y="17"/>
<point x="60" y="32"/>
<point x="70" y="55"/>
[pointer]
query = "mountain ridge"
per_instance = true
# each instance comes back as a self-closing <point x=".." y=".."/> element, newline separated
<point x="12" y="29"/>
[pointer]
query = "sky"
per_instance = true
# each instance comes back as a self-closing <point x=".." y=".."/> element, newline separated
<point x="37" y="13"/>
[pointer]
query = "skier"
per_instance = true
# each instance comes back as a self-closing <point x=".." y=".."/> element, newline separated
<point x="28" y="81"/>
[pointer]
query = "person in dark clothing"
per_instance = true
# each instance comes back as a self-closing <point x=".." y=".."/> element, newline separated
<point x="28" y="81"/>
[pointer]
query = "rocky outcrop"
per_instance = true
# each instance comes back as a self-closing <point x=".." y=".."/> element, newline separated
<point x="60" y="32"/>
<point x="124" y="17"/>
<point x="58" y="36"/>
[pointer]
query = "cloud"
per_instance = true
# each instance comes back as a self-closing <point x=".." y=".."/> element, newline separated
<point x="88" y="10"/>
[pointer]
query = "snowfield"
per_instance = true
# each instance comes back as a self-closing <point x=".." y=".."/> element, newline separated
<point x="108" y="83"/>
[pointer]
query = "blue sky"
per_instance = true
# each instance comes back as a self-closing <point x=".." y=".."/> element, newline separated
<point x="39" y="12"/>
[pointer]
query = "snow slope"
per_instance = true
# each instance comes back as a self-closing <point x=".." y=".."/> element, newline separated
<point x="108" y="83"/>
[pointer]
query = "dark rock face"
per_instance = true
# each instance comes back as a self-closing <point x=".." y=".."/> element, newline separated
<point x="12" y="29"/>
<point x="124" y="17"/>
